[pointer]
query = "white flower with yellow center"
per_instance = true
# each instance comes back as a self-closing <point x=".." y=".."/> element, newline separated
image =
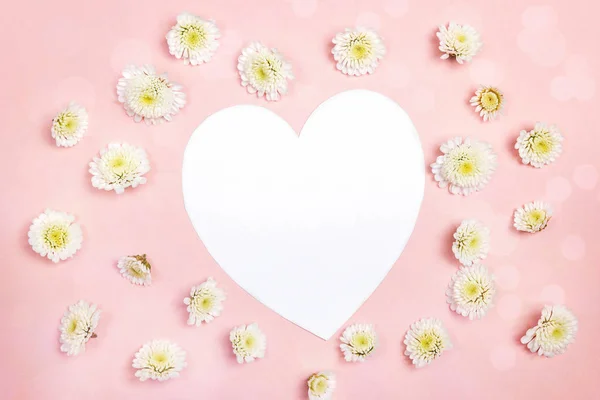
<point x="264" y="71"/>
<point x="321" y="385"/>
<point x="119" y="166"/>
<point x="471" y="242"/>
<point x="488" y="102"/>
<point x="159" y="360"/>
<point x="426" y="340"/>
<point x="540" y="146"/>
<point x="70" y="125"/>
<point x="148" y="96"/>
<point x="248" y="343"/>
<point x="466" y="166"/>
<point x="193" y="39"/>
<point x="357" y="51"/>
<point x="77" y="326"/>
<point x="205" y="302"/>
<point x="533" y="217"/>
<point x="471" y="291"/>
<point x="136" y="269"/>
<point x="459" y="41"/>
<point x="555" y="330"/>
<point x="358" y="342"/>
<point x="56" y="235"/>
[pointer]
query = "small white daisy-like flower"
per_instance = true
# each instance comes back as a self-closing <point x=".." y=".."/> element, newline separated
<point x="70" y="125"/>
<point x="459" y="41"/>
<point x="358" y="342"/>
<point x="321" y="385"/>
<point x="159" y="360"/>
<point x="148" y="96"/>
<point x="471" y="242"/>
<point x="56" y="235"/>
<point x="555" y="330"/>
<point x="533" y="217"/>
<point x="248" y="343"/>
<point x="193" y="39"/>
<point x="540" y="146"/>
<point x="77" y="326"/>
<point x="471" y="291"/>
<point x="488" y="102"/>
<point x="426" y="340"/>
<point x="357" y="51"/>
<point x="119" y="166"/>
<point x="466" y="166"/>
<point x="205" y="302"/>
<point x="136" y="269"/>
<point x="264" y="71"/>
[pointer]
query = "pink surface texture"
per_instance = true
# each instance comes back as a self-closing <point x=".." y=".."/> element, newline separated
<point x="542" y="54"/>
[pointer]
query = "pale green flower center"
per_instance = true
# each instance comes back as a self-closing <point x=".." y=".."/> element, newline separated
<point x="66" y="123"/>
<point x="56" y="236"/>
<point x="319" y="385"/>
<point x="430" y="342"/>
<point x="266" y="70"/>
<point x="360" y="48"/>
<point x="193" y="37"/>
<point x="72" y="327"/>
<point x="203" y="302"/>
<point x="490" y="100"/>
<point x="362" y="343"/>
<point x="535" y="217"/>
<point x="541" y="142"/>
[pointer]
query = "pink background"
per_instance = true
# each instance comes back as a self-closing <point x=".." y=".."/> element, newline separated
<point x="542" y="54"/>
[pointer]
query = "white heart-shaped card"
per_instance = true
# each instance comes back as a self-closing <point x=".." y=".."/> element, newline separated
<point x="309" y="225"/>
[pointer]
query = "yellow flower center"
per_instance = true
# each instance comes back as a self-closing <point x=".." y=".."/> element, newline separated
<point x="56" y="236"/>
<point x="72" y="326"/>
<point x="542" y="145"/>
<point x="159" y="357"/>
<point x="262" y="73"/>
<point x="118" y="164"/>
<point x="137" y="272"/>
<point x="471" y="290"/>
<point x="466" y="167"/>
<point x="148" y="97"/>
<point x="359" y="51"/>
<point x="361" y="342"/>
<point x="319" y="385"/>
<point x="461" y="38"/>
<point x="69" y="124"/>
<point x="558" y="333"/>
<point x="194" y="37"/>
<point x="490" y="101"/>
<point x="536" y="216"/>
<point x="473" y="243"/>
<point x="429" y="342"/>
<point x="250" y="341"/>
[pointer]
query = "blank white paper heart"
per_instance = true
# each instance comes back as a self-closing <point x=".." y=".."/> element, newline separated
<point x="309" y="225"/>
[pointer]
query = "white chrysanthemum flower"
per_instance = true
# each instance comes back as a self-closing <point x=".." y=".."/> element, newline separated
<point x="77" y="326"/>
<point x="466" y="166"/>
<point x="556" y="329"/>
<point x="540" y="146"/>
<point x="488" y="102"/>
<point x="471" y="242"/>
<point x="193" y="39"/>
<point x="159" y="360"/>
<point x="471" y="291"/>
<point x="321" y="385"/>
<point x="426" y="340"/>
<point x="205" y="302"/>
<point x="55" y="234"/>
<point x="248" y="343"/>
<point x="459" y="41"/>
<point x="358" y="342"/>
<point x="136" y="269"/>
<point x="70" y="125"/>
<point x="264" y="71"/>
<point x="119" y="166"/>
<point x="533" y="217"/>
<point x="148" y="96"/>
<point x="357" y="51"/>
